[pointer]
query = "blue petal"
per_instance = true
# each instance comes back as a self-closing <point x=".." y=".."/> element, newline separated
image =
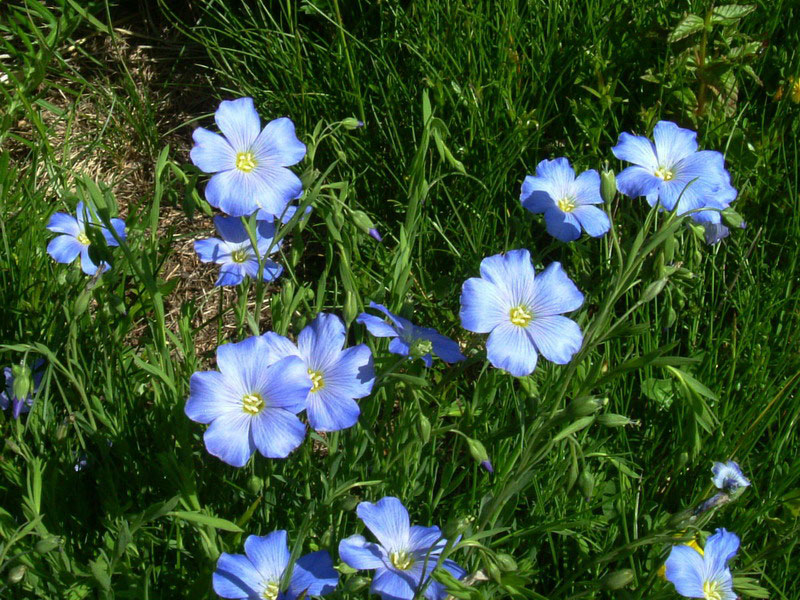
<point x="557" y="338"/>
<point x="399" y="322"/>
<point x="272" y="187"/>
<point x="510" y="348"/>
<point x="64" y="249"/>
<point x="313" y="574"/>
<point x="211" y="152"/>
<point x="229" y="191"/>
<point x="637" y="150"/>
<point x="684" y="568"/>
<point x="321" y="341"/>
<point x="240" y="364"/>
<point x="272" y="270"/>
<point x="483" y="305"/>
<point x="593" y="220"/>
<point x="331" y="412"/>
<point x="390" y="585"/>
<point x="454" y="568"/>
<point x="230" y="274"/>
<point x="387" y="519"/>
<point x="211" y="396"/>
<point x="586" y="188"/>
<point x="512" y="273"/>
<point x="358" y="553"/>
<point x="119" y="229"/>
<point x="376" y="326"/>
<point x="696" y="178"/>
<point x="558" y="176"/>
<point x="211" y="250"/>
<point x="673" y="143"/>
<point x="561" y="225"/>
<point x="236" y="577"/>
<point x="284" y="384"/>
<point x="354" y="373"/>
<point x="535" y="194"/>
<point x="720" y="548"/>
<point x="637" y="181"/>
<point x="399" y="346"/>
<point x="231" y="229"/>
<point x="238" y="121"/>
<point x="87" y="264"/>
<point x="715" y="233"/>
<point x="728" y="474"/>
<point x="443" y="346"/>
<point x="64" y="223"/>
<point x="421" y="539"/>
<point x="228" y="438"/>
<point x="278" y="143"/>
<point x="277" y="347"/>
<point x="276" y="432"/>
<point x="269" y="554"/>
<point x="554" y="292"/>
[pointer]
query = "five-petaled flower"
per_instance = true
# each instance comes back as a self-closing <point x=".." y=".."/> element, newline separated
<point x="728" y="476"/>
<point x="404" y="556"/>
<point x="257" y="574"/>
<point x="249" y="163"/>
<point x="337" y="376"/>
<point x="409" y="339"/>
<point x="706" y="575"/>
<point x="522" y="314"/>
<point x="249" y="404"/>
<point x="235" y="251"/>
<point x="8" y="397"/>
<point x="566" y="201"/>
<point x="74" y="241"/>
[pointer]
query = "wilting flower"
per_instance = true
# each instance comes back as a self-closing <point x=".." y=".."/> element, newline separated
<point x="22" y="404"/>
<point x="728" y="476"/>
<point x="706" y="575"/>
<point x="399" y="557"/>
<point x="337" y="376"/>
<point x="257" y="574"/>
<point x="65" y="248"/>
<point x="522" y="314"/>
<point x="565" y="201"/>
<point x="409" y="339"/>
<point x="671" y="169"/>
<point x="249" y="163"/>
<point x="249" y="404"/>
<point x="235" y="251"/>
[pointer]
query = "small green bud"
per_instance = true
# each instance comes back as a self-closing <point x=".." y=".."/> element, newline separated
<point x="456" y="526"/>
<point x="356" y="584"/>
<point x="680" y="520"/>
<point x="46" y="545"/>
<point x="477" y="450"/>
<point x="82" y="303"/>
<point x="506" y="562"/>
<point x="255" y="484"/>
<point x="348" y="502"/>
<point x="351" y="123"/>
<point x="350" y="307"/>
<point x="326" y="539"/>
<point x="608" y="185"/>
<point x="732" y="218"/>
<point x="615" y="420"/>
<point x="61" y="432"/>
<point x="12" y="445"/>
<point x="23" y="385"/>
<point x="362" y="221"/>
<point x="683" y="458"/>
<point x="586" y="405"/>
<point x="586" y="483"/>
<point x="617" y="580"/>
<point x="494" y="572"/>
<point x="16" y="574"/>
<point x="653" y="290"/>
<point x="424" y="428"/>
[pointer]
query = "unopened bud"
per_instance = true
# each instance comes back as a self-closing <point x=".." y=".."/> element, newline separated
<point x="362" y="221"/>
<point x="81" y="303"/>
<point x="350" y="307"/>
<point x="494" y="572"/>
<point x="424" y="428"/>
<point x="486" y="464"/>
<point x="356" y="584"/>
<point x="351" y="123"/>
<point x="617" y="580"/>
<point x="608" y="185"/>
<point x="375" y="234"/>
<point x="506" y="562"/>
<point x="653" y="290"/>
<point x="615" y="420"/>
<point x="586" y="405"/>
<point x="478" y="451"/>
<point x="16" y="574"/>
<point x="255" y="484"/>
<point x="22" y="381"/>
<point x="348" y="502"/>
<point x="586" y="484"/>
<point x="732" y="218"/>
<point x="46" y="545"/>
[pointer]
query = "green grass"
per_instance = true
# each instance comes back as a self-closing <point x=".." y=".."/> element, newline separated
<point x="509" y="84"/>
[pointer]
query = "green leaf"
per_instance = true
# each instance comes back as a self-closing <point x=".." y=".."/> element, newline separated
<point x="731" y="12"/>
<point x="692" y="383"/>
<point x="100" y="574"/>
<point x="691" y="24"/>
<point x="200" y="518"/>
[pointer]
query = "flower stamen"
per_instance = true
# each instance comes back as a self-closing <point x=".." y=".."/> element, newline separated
<point x="252" y="404"/>
<point x="246" y="161"/>
<point x="520" y="315"/>
<point x="317" y="382"/>
<point x="239" y="256"/>
<point x="712" y="590"/>
<point x="566" y="204"/>
<point x="83" y="239"/>
<point x="401" y="560"/>
<point x="271" y="591"/>
<point x="664" y="174"/>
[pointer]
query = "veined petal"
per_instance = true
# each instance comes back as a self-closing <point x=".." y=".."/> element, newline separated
<point x="240" y="363"/>
<point x="388" y="520"/>
<point x="210" y="396"/>
<point x="637" y="181"/>
<point x="593" y="220"/>
<point x="239" y="123"/>
<point x="352" y="374"/>
<point x="119" y="229"/>
<point x="211" y="152"/>
<point x="684" y="568"/>
<point x="399" y="322"/>
<point x="278" y="143"/>
<point x="236" y="577"/>
<point x="328" y="411"/>
<point x="358" y="553"/>
<point x="211" y="250"/>
<point x="230" y="274"/>
<point x="535" y="194"/>
<point x="720" y="549"/>
<point x="586" y="188"/>
<point x="557" y="338"/>
<point x="231" y="229"/>
<point x="400" y="346"/>
<point x="273" y="187"/>
<point x="554" y="292"/>
<point x="276" y="432"/>
<point x="277" y="347"/>
<point x="313" y="575"/>
<point x="63" y="223"/>
<point x="230" y="192"/>
<point x="285" y="383"/>
<point x="271" y="272"/>
<point x="673" y="143"/>
<point x="443" y="346"/>
<point x="512" y="273"/>
<point x="421" y="539"/>
<point x="269" y="554"/>
<point x="391" y="585"/>
<point x="637" y="150"/>
<point x="228" y="438"/>
<point x="483" y="305"/>
<point x="64" y="249"/>
<point x="558" y="175"/>
<point x="376" y="326"/>
<point x="510" y="348"/>
<point x="562" y="225"/>
<point x="321" y="341"/>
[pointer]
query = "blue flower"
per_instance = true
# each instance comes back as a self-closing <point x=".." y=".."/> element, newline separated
<point x="565" y="201"/>
<point x="9" y="398"/>
<point x="409" y="339"/>
<point x="257" y="574"/>
<point x="399" y="557"/>
<point x="249" y="404"/>
<point x="522" y="314"/>
<point x="235" y="252"/>
<point x="707" y="575"/>
<point x="337" y="376"/>
<point x="65" y="248"/>
<point x="249" y="163"/>
<point x="728" y="476"/>
<point x="673" y="168"/>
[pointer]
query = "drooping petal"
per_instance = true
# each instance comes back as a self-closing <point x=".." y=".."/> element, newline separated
<point x="230" y="274"/>
<point x="673" y="143"/>
<point x="391" y="585"/>
<point x="454" y="568"/>
<point x="64" y="223"/>
<point x="231" y="229"/>
<point x="557" y="338"/>
<point x="512" y="273"/>
<point x="269" y="554"/>
<point x="684" y="568"/>
<point x="211" y="152"/>
<point x="586" y="188"/>
<point x="400" y="346"/>
<point x="284" y="384"/>
<point x="236" y="577"/>
<point x="593" y="220"/>
<point x="331" y="412"/>
<point x="554" y="292"/>
<point x="239" y="123"/>
<point x="510" y="348"/>
<point x="210" y="396"/>
<point x="421" y="539"/>
<point x="314" y="575"/>
<point x="321" y="341"/>
<point x="278" y="143"/>
<point x="64" y="249"/>
<point x="119" y="228"/>
<point x="376" y="326"/>
<point x="357" y="552"/>
<point x="211" y="250"/>
<point x="276" y="432"/>
<point x="272" y="187"/>
<point x="637" y="150"/>
<point x="715" y="233"/>
<point x="229" y="191"/>
<point x="228" y="438"/>
<point x="443" y="346"/>
<point x="562" y="225"/>
<point x="483" y="305"/>
<point x="720" y="548"/>
<point x="388" y="520"/>
<point x="87" y="264"/>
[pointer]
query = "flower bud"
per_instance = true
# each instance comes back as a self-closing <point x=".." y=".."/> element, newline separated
<point x="351" y="123"/>
<point x="586" y="405"/>
<point x="348" y="502"/>
<point x="16" y="574"/>
<point x="615" y="420"/>
<point x="608" y="185"/>
<point x="732" y="218"/>
<point x="350" y="307"/>
<point x="617" y="580"/>
<point x="47" y="544"/>
<point x="586" y="483"/>
<point x="81" y="303"/>
<point x="424" y="429"/>
<point x="653" y="290"/>
<point x="362" y="221"/>
<point x="506" y="562"/>
<point x="375" y="234"/>
<point x="356" y="584"/>
<point x="478" y="452"/>
<point x="23" y="385"/>
<point x="255" y="484"/>
<point x="494" y="572"/>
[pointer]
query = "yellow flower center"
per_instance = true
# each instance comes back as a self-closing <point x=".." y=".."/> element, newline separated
<point x="520" y="315"/>
<point x="239" y="256"/>
<point x="83" y="239"/>
<point x="246" y="161"/>
<point x="402" y="560"/>
<point x="317" y="382"/>
<point x="271" y="591"/>
<point x="566" y="204"/>
<point x="253" y="403"/>
<point x="664" y="174"/>
<point x="712" y="590"/>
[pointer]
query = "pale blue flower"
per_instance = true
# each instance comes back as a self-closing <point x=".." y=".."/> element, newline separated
<point x="728" y="476"/>
<point x="522" y="313"/>
<point x="74" y="241"/>
<point x="707" y="575"/>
